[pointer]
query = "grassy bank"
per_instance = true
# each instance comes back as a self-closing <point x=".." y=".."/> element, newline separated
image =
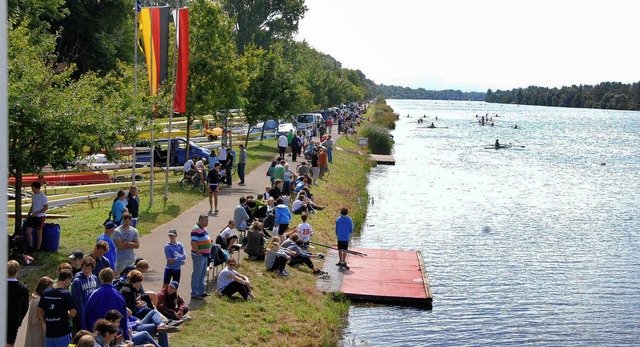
<point x="81" y="230"/>
<point x="289" y="311"/>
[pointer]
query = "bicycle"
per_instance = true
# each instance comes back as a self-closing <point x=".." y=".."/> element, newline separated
<point x="191" y="181"/>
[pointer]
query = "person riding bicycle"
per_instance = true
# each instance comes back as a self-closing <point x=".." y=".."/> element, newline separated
<point x="190" y="169"/>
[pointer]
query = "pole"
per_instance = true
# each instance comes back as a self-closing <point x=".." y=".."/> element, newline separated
<point x="135" y="83"/>
<point x="332" y="247"/>
<point x="4" y="153"/>
<point x="173" y="89"/>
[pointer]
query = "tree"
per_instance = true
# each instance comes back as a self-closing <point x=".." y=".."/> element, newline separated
<point x="264" y="21"/>
<point x="95" y="34"/>
<point x="52" y="118"/>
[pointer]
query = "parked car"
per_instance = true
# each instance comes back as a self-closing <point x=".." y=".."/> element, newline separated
<point x="308" y="119"/>
<point x="285" y="127"/>
<point x="178" y="152"/>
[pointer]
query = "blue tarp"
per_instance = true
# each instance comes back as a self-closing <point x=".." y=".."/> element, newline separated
<point x="270" y="125"/>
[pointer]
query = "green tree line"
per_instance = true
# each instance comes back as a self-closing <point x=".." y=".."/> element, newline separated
<point x="606" y="95"/>
<point x="398" y="92"/>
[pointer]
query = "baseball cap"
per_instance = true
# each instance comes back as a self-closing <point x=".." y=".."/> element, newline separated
<point x="76" y="255"/>
<point x="174" y="284"/>
<point x="109" y="225"/>
<point x="173" y="232"/>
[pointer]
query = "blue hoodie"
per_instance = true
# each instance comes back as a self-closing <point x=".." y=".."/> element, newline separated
<point x="175" y="252"/>
<point x="283" y="215"/>
<point x="344" y="228"/>
<point x="81" y="288"/>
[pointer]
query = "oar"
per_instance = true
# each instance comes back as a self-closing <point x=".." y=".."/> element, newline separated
<point x="332" y="247"/>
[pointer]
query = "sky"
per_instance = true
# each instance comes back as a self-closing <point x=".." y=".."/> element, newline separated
<point x="479" y="45"/>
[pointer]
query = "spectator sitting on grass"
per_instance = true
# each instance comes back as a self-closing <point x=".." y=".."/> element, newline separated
<point x="256" y="239"/>
<point x="171" y="305"/>
<point x="303" y="257"/>
<point x="231" y="281"/>
<point x="276" y="258"/>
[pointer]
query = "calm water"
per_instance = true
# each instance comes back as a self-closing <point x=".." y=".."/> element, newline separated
<point x="535" y="246"/>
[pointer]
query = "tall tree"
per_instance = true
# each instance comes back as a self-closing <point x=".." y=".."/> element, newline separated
<point x="264" y="21"/>
<point x="52" y="118"/>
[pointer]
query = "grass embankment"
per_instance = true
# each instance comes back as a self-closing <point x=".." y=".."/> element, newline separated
<point x="376" y="130"/>
<point x="81" y="230"/>
<point x="289" y="311"/>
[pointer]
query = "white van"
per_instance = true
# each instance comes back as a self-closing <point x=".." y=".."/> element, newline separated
<point x="304" y="120"/>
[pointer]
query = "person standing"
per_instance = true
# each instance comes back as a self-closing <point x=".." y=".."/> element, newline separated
<point x="242" y="162"/>
<point x="282" y="216"/>
<point x="103" y="300"/>
<point x="35" y="327"/>
<point x="228" y="165"/>
<point x="55" y="308"/>
<point x="133" y="205"/>
<point x="17" y="301"/>
<point x="84" y="283"/>
<point x="282" y="145"/>
<point x="107" y="236"/>
<point x="127" y="240"/>
<point x="214" y="187"/>
<point x="174" y="253"/>
<point x="35" y="217"/>
<point x="315" y="168"/>
<point x="99" y="250"/>
<point x="329" y="125"/>
<point x="329" y="145"/>
<point x="296" y="146"/>
<point x="323" y="163"/>
<point x="200" y="250"/>
<point x="344" y="229"/>
<point x="118" y="208"/>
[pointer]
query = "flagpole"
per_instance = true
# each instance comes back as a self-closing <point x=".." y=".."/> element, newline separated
<point x="4" y="169"/>
<point x="135" y="84"/>
<point x="173" y="89"/>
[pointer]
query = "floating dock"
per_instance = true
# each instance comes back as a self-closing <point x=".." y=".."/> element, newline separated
<point x="383" y="159"/>
<point x="388" y="276"/>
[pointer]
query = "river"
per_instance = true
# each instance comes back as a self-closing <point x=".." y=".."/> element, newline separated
<point x="536" y="245"/>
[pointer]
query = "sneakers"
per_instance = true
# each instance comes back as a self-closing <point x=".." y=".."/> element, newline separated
<point x="284" y="273"/>
<point x="186" y="318"/>
<point x="205" y="295"/>
<point x="339" y="263"/>
<point x="216" y="211"/>
<point x="319" y="256"/>
<point x="163" y="328"/>
<point x="210" y="212"/>
<point x="176" y="323"/>
<point x="196" y="297"/>
<point x="324" y="275"/>
<point x="344" y="266"/>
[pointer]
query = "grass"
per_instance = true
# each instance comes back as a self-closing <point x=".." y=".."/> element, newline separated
<point x="81" y="230"/>
<point x="290" y="311"/>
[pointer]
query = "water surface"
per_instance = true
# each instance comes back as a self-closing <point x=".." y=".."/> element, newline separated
<point x="526" y="246"/>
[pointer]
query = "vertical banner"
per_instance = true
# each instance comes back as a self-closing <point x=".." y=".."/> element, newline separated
<point x="181" y="17"/>
<point x="154" y="28"/>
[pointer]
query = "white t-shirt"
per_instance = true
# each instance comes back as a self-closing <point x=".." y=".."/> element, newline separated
<point x="226" y="233"/>
<point x="37" y="203"/>
<point x="297" y="204"/>
<point x="282" y="141"/>
<point x="188" y="165"/>
<point x="305" y="231"/>
<point x="199" y="165"/>
<point x="222" y="156"/>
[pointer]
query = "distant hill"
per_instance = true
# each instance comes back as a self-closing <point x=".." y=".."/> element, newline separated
<point x="397" y="92"/>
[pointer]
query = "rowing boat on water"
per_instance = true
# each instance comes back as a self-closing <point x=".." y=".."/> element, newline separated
<point x="503" y="146"/>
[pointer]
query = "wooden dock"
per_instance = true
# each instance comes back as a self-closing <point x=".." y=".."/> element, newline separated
<point x="388" y="276"/>
<point x="383" y="159"/>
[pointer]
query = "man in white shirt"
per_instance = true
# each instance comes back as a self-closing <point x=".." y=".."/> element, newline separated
<point x="35" y="217"/>
<point x="222" y="153"/>
<point x="283" y="143"/>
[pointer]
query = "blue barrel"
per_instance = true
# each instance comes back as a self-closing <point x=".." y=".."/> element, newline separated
<point x="50" y="237"/>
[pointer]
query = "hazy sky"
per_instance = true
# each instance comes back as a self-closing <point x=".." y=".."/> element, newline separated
<point x="475" y="45"/>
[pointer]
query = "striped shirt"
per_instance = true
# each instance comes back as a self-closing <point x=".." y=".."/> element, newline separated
<point x="201" y="237"/>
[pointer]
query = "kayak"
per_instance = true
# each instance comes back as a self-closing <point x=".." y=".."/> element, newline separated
<point x="433" y="127"/>
<point x="503" y="146"/>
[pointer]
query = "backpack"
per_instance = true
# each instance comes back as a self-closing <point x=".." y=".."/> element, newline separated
<point x="218" y="255"/>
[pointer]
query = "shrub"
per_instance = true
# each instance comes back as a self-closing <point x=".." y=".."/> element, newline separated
<point x="379" y="138"/>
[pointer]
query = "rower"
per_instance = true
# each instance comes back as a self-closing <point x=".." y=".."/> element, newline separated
<point x="432" y="125"/>
<point x="497" y="144"/>
<point x="515" y="126"/>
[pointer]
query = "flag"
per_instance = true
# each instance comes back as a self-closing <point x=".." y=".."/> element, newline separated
<point x="154" y="27"/>
<point x="181" y="19"/>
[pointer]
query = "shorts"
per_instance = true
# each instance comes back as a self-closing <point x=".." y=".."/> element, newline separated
<point x="35" y="222"/>
<point x="343" y="245"/>
<point x="213" y="188"/>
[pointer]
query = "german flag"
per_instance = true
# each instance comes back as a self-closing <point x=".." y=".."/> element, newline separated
<point x="153" y="23"/>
